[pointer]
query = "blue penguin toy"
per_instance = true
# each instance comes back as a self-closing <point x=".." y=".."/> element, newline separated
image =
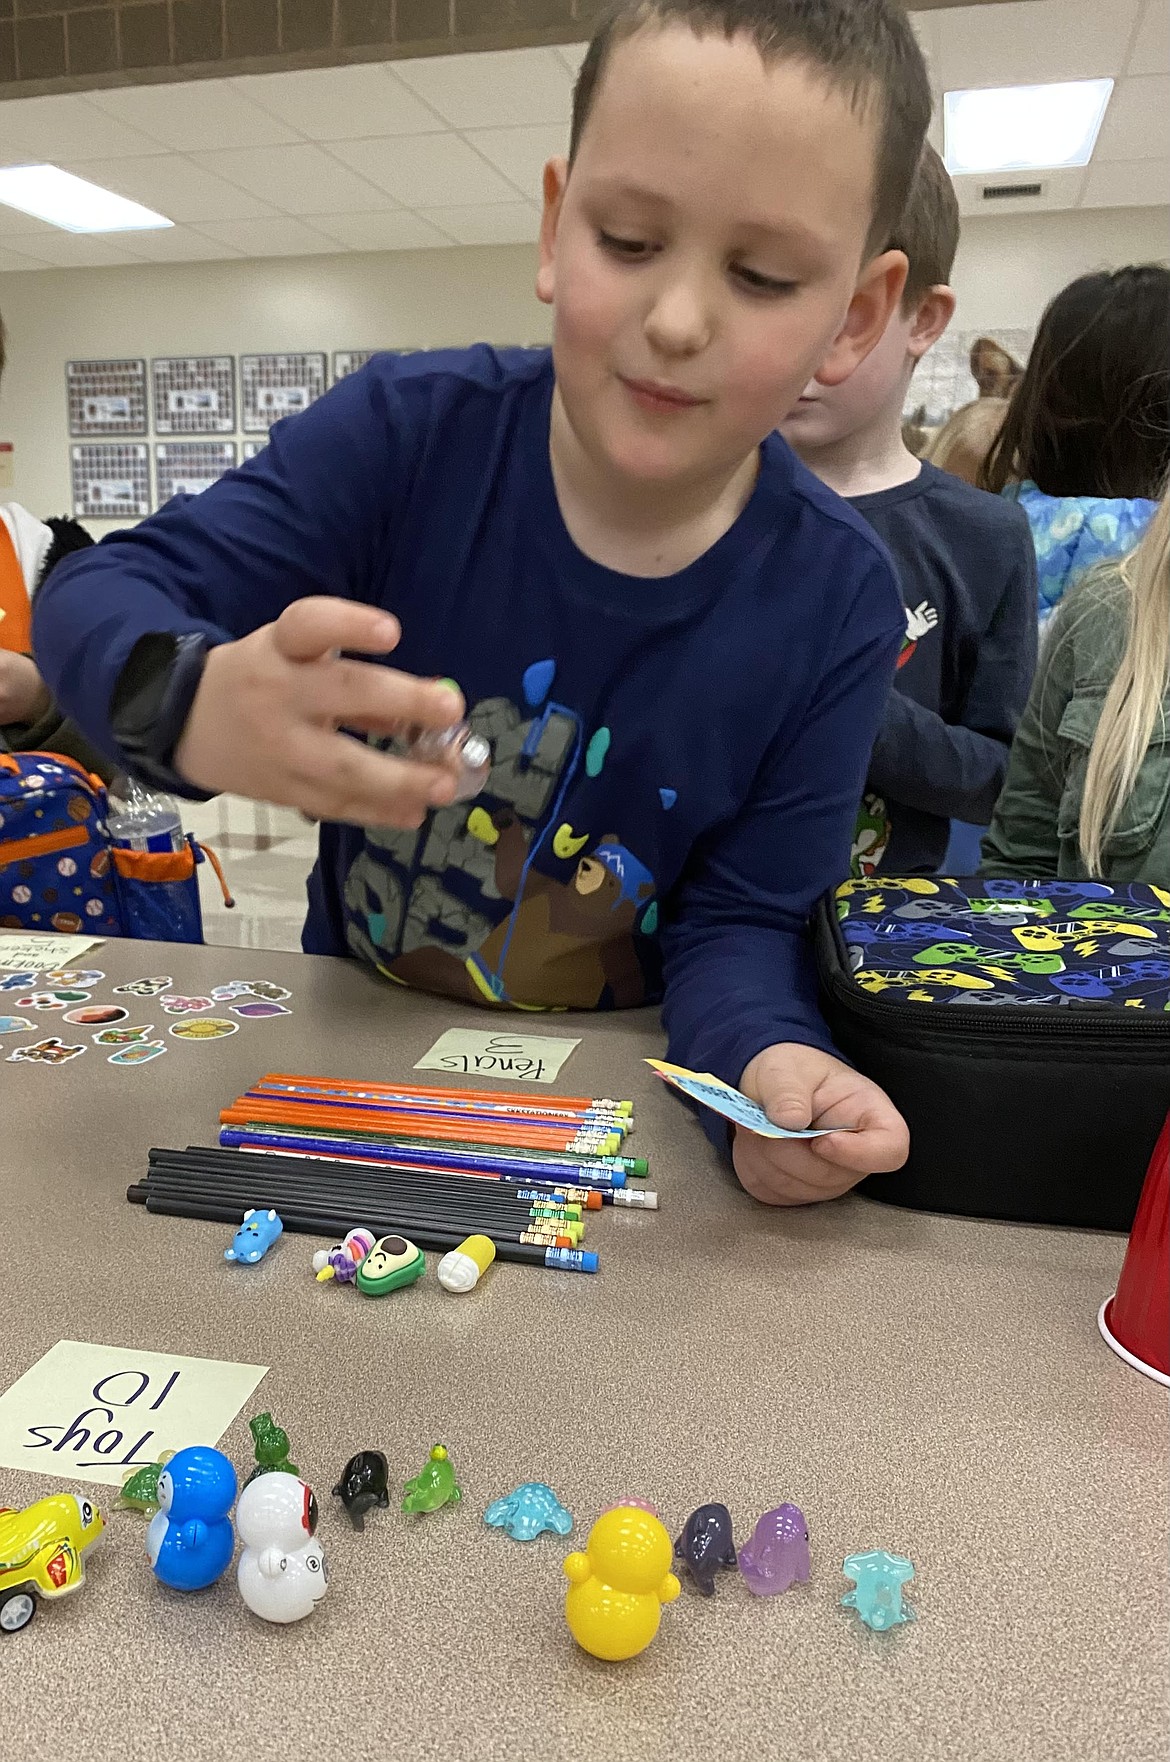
<point x="190" y="1540"/>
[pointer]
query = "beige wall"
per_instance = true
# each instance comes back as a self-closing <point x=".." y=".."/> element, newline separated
<point x="1008" y="268"/>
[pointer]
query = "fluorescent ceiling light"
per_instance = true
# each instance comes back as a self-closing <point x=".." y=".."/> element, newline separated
<point x="1024" y="128"/>
<point x="71" y="202"/>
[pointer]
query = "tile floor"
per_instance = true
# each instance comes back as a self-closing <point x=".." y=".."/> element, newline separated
<point x="266" y="854"/>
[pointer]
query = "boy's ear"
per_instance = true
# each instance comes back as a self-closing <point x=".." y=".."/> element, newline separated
<point x="875" y="298"/>
<point x="934" y="312"/>
<point x="556" y="177"/>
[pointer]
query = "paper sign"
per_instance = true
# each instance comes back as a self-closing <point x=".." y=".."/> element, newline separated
<point x="525" y="1058"/>
<point x="88" y="1413"/>
<point x="723" y="1099"/>
<point x="41" y="953"/>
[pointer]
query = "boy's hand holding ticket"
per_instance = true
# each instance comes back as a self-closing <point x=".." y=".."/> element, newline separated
<point x="799" y="1086"/>
<point x="267" y="717"/>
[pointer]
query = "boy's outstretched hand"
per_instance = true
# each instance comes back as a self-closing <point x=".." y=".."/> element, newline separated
<point x="265" y="720"/>
<point x="800" y="1086"/>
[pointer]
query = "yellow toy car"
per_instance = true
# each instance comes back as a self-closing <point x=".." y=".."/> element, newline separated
<point x="42" y="1553"/>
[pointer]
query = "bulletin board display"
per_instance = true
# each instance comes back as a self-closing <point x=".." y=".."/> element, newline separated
<point x="194" y="394"/>
<point x="251" y="448"/>
<point x="273" y="386"/>
<point x="942" y="381"/>
<point x="347" y="361"/>
<point x="111" y="481"/>
<point x="106" y="397"/>
<point x="189" y="467"/>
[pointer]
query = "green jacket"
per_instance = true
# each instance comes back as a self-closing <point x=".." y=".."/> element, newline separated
<point x="1034" y="831"/>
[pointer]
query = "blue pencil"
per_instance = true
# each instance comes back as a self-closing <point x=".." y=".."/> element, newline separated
<point x="544" y="1172"/>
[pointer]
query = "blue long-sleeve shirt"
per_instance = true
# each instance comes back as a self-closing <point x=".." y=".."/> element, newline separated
<point x="677" y="761"/>
<point x="968" y="576"/>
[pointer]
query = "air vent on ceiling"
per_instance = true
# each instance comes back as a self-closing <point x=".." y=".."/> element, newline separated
<point x="1002" y="192"/>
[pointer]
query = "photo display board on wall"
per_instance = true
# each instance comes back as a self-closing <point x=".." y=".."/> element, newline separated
<point x="347" y="361"/>
<point x="251" y="448"/>
<point x="111" y="481"/>
<point x="106" y="397"/>
<point x="194" y="394"/>
<point x="189" y="467"/>
<point x="273" y="386"/>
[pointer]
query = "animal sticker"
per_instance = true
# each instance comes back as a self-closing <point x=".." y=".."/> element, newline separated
<point x="45" y="1052"/>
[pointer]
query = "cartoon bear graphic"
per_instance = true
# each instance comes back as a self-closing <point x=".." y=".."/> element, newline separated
<point x="564" y="945"/>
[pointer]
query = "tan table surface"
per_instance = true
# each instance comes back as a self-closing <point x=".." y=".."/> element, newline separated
<point x="925" y="1384"/>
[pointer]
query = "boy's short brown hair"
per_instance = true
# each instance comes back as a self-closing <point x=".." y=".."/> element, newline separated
<point x="863" y="48"/>
<point x="928" y="231"/>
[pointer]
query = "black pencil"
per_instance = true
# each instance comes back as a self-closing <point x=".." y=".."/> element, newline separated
<point x="334" y="1223"/>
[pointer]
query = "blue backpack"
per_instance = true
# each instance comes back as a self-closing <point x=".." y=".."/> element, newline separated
<point x="60" y="872"/>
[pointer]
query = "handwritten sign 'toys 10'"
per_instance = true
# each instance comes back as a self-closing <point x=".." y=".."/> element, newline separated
<point x="88" y="1413"/>
<point x="525" y="1058"/>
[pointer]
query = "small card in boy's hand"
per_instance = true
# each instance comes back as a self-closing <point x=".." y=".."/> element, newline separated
<point x="712" y="1092"/>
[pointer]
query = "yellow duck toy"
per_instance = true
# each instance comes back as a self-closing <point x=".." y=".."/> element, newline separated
<point x="618" y="1585"/>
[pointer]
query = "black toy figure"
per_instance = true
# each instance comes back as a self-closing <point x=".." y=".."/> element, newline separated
<point x="363" y="1485"/>
<point x="706" y="1544"/>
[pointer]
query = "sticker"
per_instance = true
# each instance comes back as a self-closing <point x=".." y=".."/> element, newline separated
<point x="234" y="988"/>
<point x="97" y="1015"/>
<point x="86" y="979"/>
<point x="723" y="1099"/>
<point x="19" y="981"/>
<point x="210" y="1028"/>
<point x="85" y="1412"/>
<point x="185" y="1006"/>
<point x="44" y="1052"/>
<point x="51" y="999"/>
<point x="123" y="1036"/>
<point x="144" y="987"/>
<point x="257" y="1008"/>
<point x="266" y="989"/>
<point x="15" y="1025"/>
<point x="526" y="1058"/>
<point x="137" y="1055"/>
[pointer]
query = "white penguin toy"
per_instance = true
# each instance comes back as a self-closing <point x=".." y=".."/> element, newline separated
<point x="281" y="1573"/>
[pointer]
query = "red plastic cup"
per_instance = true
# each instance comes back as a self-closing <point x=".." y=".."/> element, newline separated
<point x="1136" y="1319"/>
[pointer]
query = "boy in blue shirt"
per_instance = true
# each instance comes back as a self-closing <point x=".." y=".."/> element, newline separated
<point x="677" y="641"/>
<point x="965" y="559"/>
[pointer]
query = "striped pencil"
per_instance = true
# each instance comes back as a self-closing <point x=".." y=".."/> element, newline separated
<point x="572" y="1103"/>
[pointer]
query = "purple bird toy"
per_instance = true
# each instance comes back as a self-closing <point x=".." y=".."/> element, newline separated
<point x="777" y="1554"/>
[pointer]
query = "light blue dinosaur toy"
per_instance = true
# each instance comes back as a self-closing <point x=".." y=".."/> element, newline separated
<point x="878" y="1578"/>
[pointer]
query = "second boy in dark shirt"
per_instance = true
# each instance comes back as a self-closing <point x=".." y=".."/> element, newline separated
<point x="965" y="561"/>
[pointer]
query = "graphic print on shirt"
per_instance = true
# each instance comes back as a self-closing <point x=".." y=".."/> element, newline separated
<point x="460" y="907"/>
<point x="919" y="623"/>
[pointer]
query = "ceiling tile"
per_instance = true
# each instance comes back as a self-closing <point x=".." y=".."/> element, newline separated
<point x="302" y="179"/>
<point x="504" y="223"/>
<point x="173" y="186"/>
<point x="1143" y="184"/>
<point x="1031" y="42"/>
<point x="341" y="103"/>
<point x="379" y="231"/>
<point x="180" y="244"/>
<point x="191" y="115"/>
<point x="572" y="54"/>
<point x="1151" y="46"/>
<point x="11" y="262"/>
<point x="14" y="224"/>
<point x="426" y="171"/>
<point x="1061" y="189"/>
<point x="1137" y="122"/>
<point x="65" y="127"/>
<point x="492" y="90"/>
<point x="71" y="250"/>
<point x="280" y="236"/>
<point x="521" y="153"/>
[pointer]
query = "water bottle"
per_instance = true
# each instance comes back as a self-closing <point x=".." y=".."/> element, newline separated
<point x="142" y="819"/>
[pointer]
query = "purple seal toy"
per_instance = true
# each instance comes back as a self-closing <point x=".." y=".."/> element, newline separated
<point x="777" y="1554"/>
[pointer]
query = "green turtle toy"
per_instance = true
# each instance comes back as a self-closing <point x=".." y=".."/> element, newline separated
<point x="140" y="1486"/>
<point x="435" y="1486"/>
<point x="271" y="1448"/>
